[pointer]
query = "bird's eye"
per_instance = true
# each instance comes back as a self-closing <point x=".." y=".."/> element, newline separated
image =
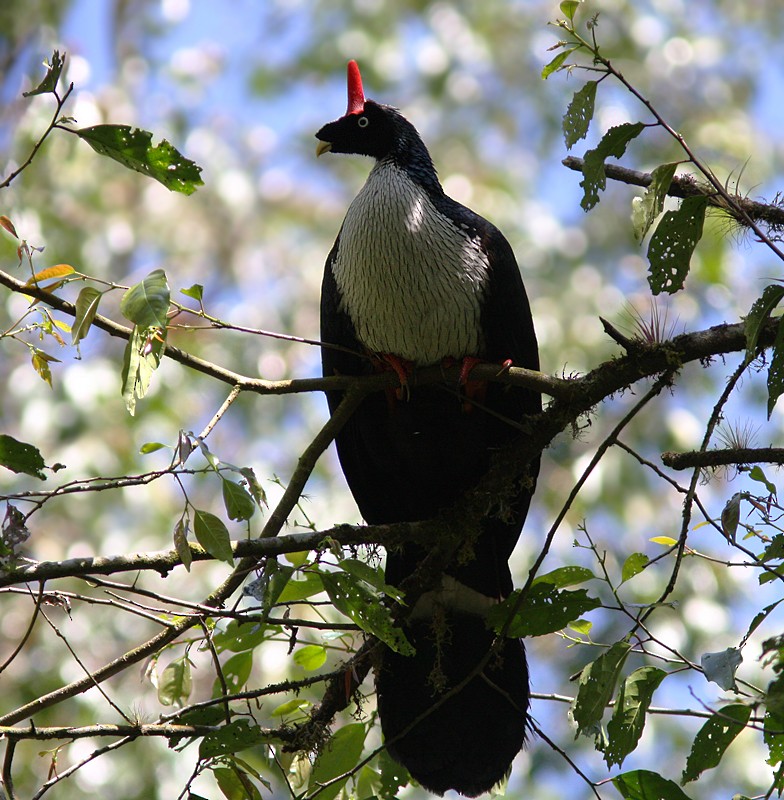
<point x="363" y="122"/>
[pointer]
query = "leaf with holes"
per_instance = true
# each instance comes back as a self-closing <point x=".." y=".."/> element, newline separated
<point x="339" y="756"/>
<point x="628" y="720"/>
<point x="544" y="610"/>
<point x="353" y="598"/>
<point x="579" y="114"/>
<point x="672" y="245"/>
<point x="565" y="576"/>
<point x="21" y="457"/>
<point x="773" y="735"/>
<point x="613" y="144"/>
<point x="633" y="565"/>
<point x="231" y="738"/>
<point x="133" y="148"/>
<point x="713" y="739"/>
<point x="645" y="209"/>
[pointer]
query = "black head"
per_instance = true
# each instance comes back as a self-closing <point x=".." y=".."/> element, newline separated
<point x="372" y="129"/>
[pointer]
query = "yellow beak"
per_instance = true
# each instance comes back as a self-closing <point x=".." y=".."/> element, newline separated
<point x="323" y="147"/>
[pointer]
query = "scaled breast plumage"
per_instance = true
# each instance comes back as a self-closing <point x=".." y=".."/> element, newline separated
<point x="411" y="281"/>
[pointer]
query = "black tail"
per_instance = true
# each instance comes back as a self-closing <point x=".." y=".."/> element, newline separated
<point x="449" y="735"/>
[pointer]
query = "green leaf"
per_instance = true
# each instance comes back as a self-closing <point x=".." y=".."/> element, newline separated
<point x="569" y="7"/>
<point x="175" y="683"/>
<point x="180" y="538"/>
<point x="773" y="735"/>
<point x="195" y="292"/>
<point x="212" y="535"/>
<point x="234" y="783"/>
<point x="628" y="720"/>
<point x="673" y="243"/>
<point x="759" y="618"/>
<point x="613" y="143"/>
<point x="759" y="314"/>
<point x="645" y="209"/>
<point x="373" y="576"/>
<point x="147" y="303"/>
<point x="253" y="486"/>
<point x="240" y="636"/>
<point x="756" y="473"/>
<point x="236" y="672"/>
<point x="238" y="502"/>
<point x="302" y="589"/>
<point x="557" y="62"/>
<point x="394" y="776"/>
<point x="86" y="309"/>
<point x="351" y="597"/>
<point x="565" y="576"/>
<point x="143" y="355"/>
<point x="231" y="738"/>
<point x="776" y="370"/>
<point x="290" y="707"/>
<point x="151" y="447"/>
<point x="597" y="684"/>
<point x="340" y="756"/>
<point x="21" y="457"/>
<point x="645" y="785"/>
<point x="310" y="657"/>
<point x="134" y="149"/>
<point x="545" y="610"/>
<point x="53" y="70"/>
<point x="713" y="738"/>
<point x="581" y="626"/>
<point x="633" y="565"/>
<point x="579" y="114"/>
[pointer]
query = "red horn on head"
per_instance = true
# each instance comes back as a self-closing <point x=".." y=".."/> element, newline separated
<point x="356" y="97"/>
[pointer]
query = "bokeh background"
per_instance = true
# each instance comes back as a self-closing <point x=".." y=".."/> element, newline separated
<point x="241" y="88"/>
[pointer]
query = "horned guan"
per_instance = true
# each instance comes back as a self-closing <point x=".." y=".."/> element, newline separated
<point x="417" y="279"/>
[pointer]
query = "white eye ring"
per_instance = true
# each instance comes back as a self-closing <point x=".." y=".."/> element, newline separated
<point x="363" y="122"/>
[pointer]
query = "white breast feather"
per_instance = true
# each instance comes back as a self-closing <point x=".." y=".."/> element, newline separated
<point x="410" y="279"/>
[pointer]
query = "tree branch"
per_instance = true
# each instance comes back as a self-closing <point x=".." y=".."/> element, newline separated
<point x="724" y="457"/>
<point x="771" y="214"/>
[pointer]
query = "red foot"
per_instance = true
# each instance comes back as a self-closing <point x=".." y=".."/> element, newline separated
<point x="476" y="390"/>
<point x="400" y="366"/>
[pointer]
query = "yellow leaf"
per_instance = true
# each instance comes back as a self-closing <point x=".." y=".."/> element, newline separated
<point x="667" y="541"/>
<point x="41" y="366"/>
<point x="57" y="271"/>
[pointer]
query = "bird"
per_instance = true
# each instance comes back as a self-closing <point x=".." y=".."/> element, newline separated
<point x="416" y="279"/>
